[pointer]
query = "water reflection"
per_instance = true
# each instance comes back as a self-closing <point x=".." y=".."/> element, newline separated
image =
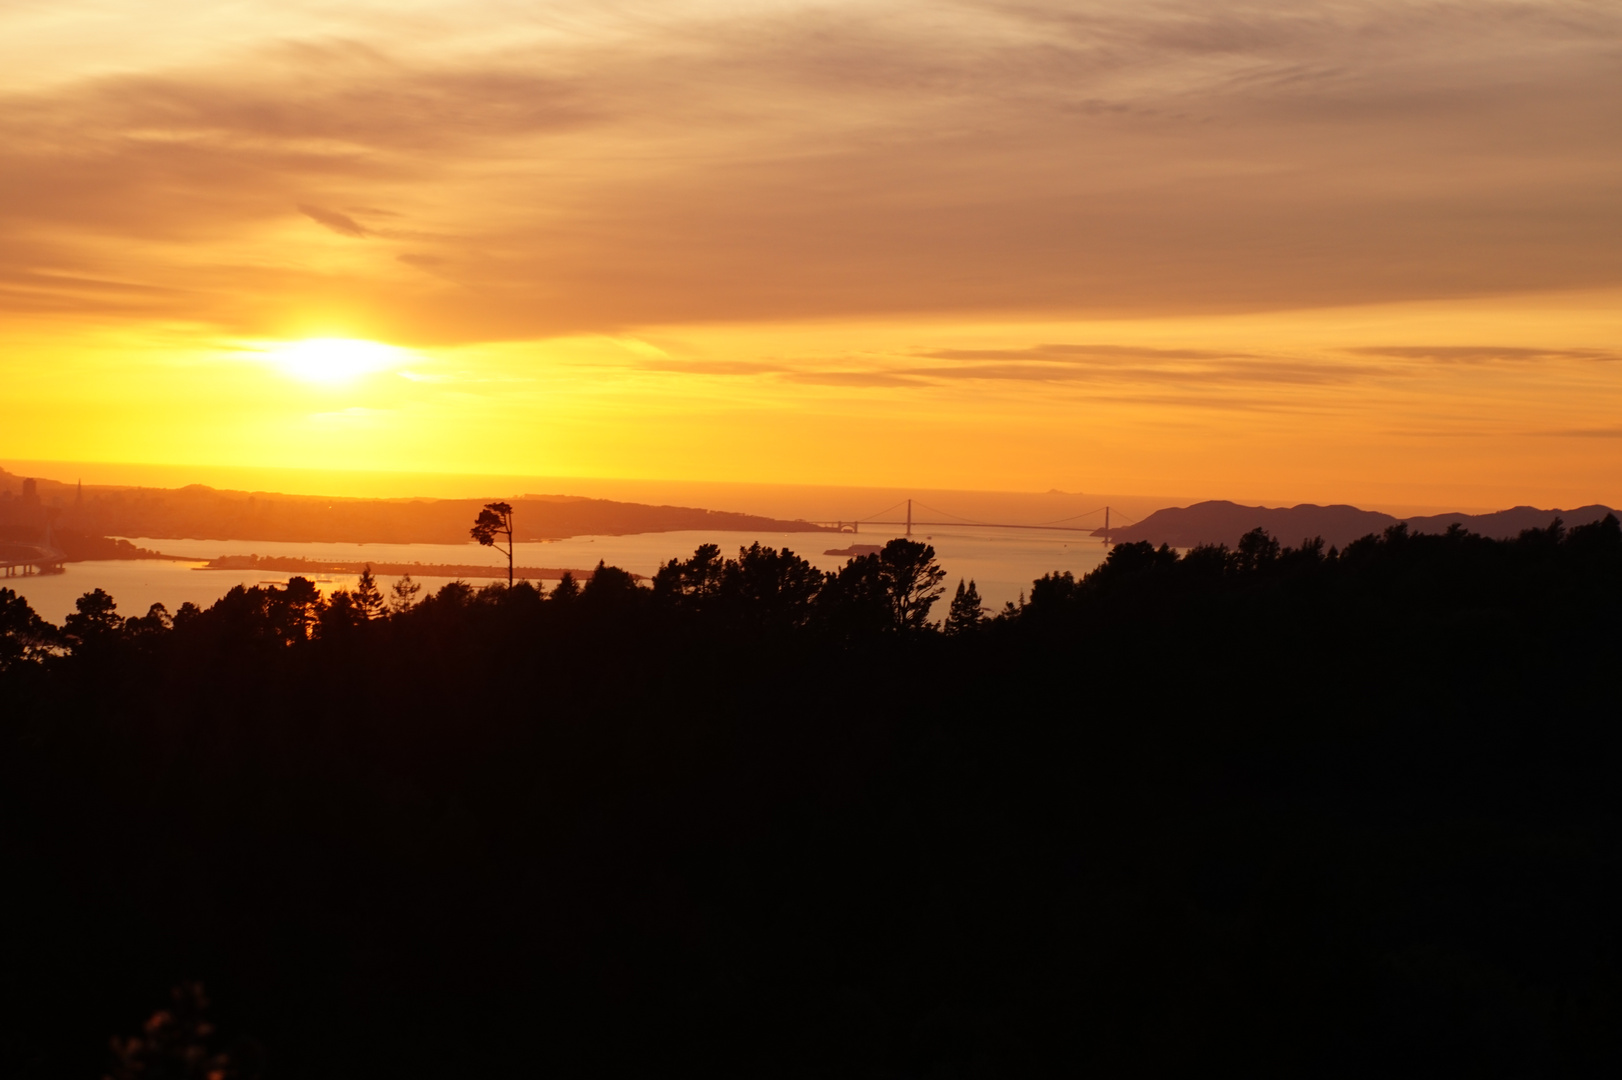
<point x="1003" y="562"/>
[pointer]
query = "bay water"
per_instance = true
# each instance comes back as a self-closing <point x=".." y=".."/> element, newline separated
<point x="1003" y="562"/>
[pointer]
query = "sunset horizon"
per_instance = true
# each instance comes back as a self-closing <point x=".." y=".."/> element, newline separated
<point x="1363" y="253"/>
<point x="929" y="539"/>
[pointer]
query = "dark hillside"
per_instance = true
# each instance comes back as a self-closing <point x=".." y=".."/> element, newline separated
<point x="1508" y="523"/>
<point x="1303" y="814"/>
<point x="1221" y="522"/>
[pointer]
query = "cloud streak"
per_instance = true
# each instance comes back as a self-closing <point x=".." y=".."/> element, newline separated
<point x="1483" y="354"/>
<point x="1070" y="354"/>
<point x="342" y="224"/>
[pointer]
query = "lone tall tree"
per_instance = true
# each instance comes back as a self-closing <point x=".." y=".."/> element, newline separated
<point x="496" y="519"/>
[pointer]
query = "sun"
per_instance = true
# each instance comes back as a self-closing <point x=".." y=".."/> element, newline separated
<point x="334" y="360"/>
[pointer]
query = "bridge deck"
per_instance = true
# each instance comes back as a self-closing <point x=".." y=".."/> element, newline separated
<point x="26" y="557"/>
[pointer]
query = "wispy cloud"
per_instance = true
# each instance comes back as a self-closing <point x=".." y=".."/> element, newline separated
<point x="853" y="378"/>
<point x="1079" y="353"/>
<point x="1482" y="354"/>
<point x="342" y="224"/>
<point x="1246" y="373"/>
<point x="711" y="367"/>
<point x="1586" y="433"/>
<point x="1093" y="365"/>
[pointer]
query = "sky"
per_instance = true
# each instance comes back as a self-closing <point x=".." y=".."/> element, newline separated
<point x="1351" y="251"/>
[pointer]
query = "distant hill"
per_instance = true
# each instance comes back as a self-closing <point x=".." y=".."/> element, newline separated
<point x="1222" y="522"/>
<point x="198" y="512"/>
<point x="1507" y="523"/>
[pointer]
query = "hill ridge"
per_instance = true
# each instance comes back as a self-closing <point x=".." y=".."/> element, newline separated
<point x="1221" y="521"/>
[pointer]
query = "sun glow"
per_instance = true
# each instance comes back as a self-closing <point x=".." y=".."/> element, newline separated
<point x="333" y="360"/>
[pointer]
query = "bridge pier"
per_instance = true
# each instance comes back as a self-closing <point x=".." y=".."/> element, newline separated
<point x="25" y="569"/>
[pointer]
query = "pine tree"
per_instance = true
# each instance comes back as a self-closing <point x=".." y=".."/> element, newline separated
<point x="965" y="613"/>
<point x="405" y="594"/>
<point x="368" y="597"/>
<point x="567" y="589"/>
<point x="496" y="519"/>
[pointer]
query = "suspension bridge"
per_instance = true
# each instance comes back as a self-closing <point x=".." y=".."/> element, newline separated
<point x="1088" y="522"/>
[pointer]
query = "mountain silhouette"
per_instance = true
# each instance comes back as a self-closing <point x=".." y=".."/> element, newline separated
<point x="1223" y="522"/>
<point x="197" y="511"/>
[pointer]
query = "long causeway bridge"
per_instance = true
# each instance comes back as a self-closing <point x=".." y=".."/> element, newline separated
<point x="1089" y="522"/>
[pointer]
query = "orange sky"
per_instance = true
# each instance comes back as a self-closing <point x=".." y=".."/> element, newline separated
<point x="1361" y="251"/>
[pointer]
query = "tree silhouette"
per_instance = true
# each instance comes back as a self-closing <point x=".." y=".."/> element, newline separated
<point x="695" y="580"/>
<point x="912" y="581"/>
<point x="296" y="610"/>
<point x="695" y="820"/>
<point x="775" y="586"/>
<point x="342" y="614"/>
<point x="155" y="621"/>
<point x="566" y="590"/>
<point x="23" y="634"/>
<point x="966" y="612"/>
<point x="181" y="1043"/>
<point x="368" y="597"/>
<point x="405" y="594"/>
<point x="1257" y="549"/>
<point x="496" y="519"/>
<point x="94" y="622"/>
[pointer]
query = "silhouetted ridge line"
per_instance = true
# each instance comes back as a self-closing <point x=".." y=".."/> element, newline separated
<point x="1223" y="522"/>
<point x="199" y="512"/>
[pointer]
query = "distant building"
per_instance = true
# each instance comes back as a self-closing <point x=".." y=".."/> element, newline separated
<point x="23" y="519"/>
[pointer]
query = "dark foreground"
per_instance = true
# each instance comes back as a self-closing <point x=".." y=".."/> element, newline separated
<point x="1342" y="816"/>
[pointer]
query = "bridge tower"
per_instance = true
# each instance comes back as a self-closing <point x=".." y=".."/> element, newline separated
<point x="909" y="517"/>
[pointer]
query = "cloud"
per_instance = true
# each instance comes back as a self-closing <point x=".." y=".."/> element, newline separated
<point x="666" y="165"/>
<point x="342" y="224"/>
<point x="1096" y="363"/>
<point x="1587" y="433"/>
<point x="852" y="378"/>
<point x="1093" y="365"/>
<point x="1278" y="373"/>
<point x="1481" y="354"/>
<point x="711" y="367"/>
<point x="1078" y="353"/>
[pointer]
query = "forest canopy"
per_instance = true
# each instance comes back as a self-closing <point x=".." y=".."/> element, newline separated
<point x="1325" y="811"/>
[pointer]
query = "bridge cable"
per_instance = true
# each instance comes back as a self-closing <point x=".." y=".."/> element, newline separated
<point x="960" y="517"/>
<point x="1073" y="517"/>
<point x="886" y="510"/>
